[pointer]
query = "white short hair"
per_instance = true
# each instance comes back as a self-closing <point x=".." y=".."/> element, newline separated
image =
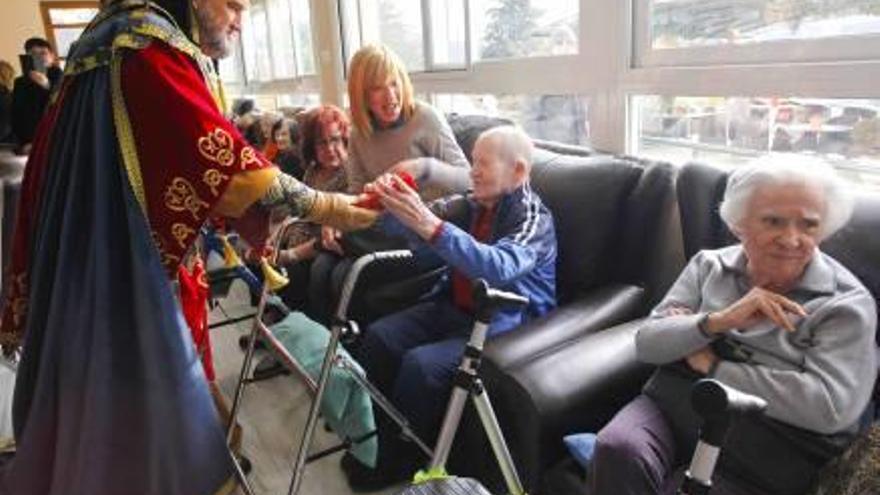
<point x="788" y="169"/>
<point x="513" y="143"/>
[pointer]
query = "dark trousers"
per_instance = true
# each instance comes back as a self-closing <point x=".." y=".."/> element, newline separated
<point x="637" y="454"/>
<point x="412" y="355"/>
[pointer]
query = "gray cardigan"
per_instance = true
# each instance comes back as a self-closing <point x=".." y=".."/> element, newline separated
<point x="425" y="135"/>
<point x="819" y="378"/>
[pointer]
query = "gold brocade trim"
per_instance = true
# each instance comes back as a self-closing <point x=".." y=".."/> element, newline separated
<point x="213" y="178"/>
<point x="125" y="135"/>
<point x="227" y="487"/>
<point x="178" y="40"/>
<point x="217" y="147"/>
<point x="248" y="156"/>
<point x="102" y="57"/>
<point x="168" y="260"/>
<point x="181" y="231"/>
<point x="182" y="196"/>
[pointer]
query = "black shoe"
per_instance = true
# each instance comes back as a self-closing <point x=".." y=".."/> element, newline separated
<point x="269" y="367"/>
<point x="365" y="479"/>
<point x="245" y="340"/>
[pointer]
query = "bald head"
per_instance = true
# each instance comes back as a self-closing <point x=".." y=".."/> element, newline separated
<point x="502" y="162"/>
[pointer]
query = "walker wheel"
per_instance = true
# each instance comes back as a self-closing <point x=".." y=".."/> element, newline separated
<point x="447" y="486"/>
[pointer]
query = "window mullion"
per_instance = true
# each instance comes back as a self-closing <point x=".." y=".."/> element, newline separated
<point x="427" y="35"/>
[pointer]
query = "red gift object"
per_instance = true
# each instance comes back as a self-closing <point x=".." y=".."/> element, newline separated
<point x="371" y="202"/>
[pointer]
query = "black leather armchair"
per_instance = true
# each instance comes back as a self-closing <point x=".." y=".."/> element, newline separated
<point x="619" y="251"/>
<point x="700" y="189"/>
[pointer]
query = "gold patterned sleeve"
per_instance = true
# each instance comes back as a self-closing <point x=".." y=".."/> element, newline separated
<point x="334" y="210"/>
<point x="244" y="189"/>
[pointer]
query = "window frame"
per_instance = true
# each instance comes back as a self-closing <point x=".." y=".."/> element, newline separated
<point x="49" y="28"/>
<point x="275" y="85"/>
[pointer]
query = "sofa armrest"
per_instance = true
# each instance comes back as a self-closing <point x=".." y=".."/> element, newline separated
<point x="576" y="388"/>
<point x="596" y="310"/>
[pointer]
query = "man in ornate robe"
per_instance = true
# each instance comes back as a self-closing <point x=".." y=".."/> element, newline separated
<point x="133" y="155"/>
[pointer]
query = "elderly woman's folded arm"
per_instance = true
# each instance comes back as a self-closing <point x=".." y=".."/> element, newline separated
<point x="672" y="331"/>
<point x="831" y="391"/>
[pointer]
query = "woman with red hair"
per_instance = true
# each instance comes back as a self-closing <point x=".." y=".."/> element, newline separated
<point x="324" y="150"/>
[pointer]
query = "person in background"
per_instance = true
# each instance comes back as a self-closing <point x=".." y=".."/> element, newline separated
<point x="391" y="132"/>
<point x="286" y="135"/>
<point x="267" y="123"/>
<point x="31" y="91"/>
<point x="772" y="316"/>
<point x="7" y="78"/>
<point x="502" y="233"/>
<point x="324" y="149"/>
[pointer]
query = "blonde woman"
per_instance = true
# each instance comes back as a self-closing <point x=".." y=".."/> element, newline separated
<point x="7" y="78"/>
<point x="392" y="131"/>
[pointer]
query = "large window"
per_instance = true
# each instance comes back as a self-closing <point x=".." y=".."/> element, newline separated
<point x="731" y="131"/>
<point x="684" y="23"/>
<point x="276" y="43"/>
<point x="550" y="117"/>
<point x="65" y="21"/>
<point x="523" y="28"/>
<point x="746" y="31"/>
<point x="437" y="35"/>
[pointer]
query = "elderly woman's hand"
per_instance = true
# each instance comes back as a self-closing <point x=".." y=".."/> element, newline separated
<point x="702" y="361"/>
<point x="405" y="204"/>
<point x="758" y="304"/>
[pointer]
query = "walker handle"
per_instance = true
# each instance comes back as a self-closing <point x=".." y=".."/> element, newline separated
<point x="488" y="301"/>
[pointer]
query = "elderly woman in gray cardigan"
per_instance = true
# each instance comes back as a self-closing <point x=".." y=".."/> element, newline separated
<point x="772" y="316"/>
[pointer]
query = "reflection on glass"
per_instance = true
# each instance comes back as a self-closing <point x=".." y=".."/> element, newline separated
<point x="71" y="15"/>
<point x="733" y="131"/>
<point x="398" y="25"/>
<point x="299" y="101"/>
<point x="523" y="28"/>
<point x="248" y="46"/>
<point x="448" y="32"/>
<point x="302" y="28"/>
<point x="262" y="54"/>
<point x="282" y="39"/>
<point x="64" y="37"/>
<point x="559" y="118"/>
<point x="685" y="23"/>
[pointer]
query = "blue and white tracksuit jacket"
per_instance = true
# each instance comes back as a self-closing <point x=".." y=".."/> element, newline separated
<point x="520" y="256"/>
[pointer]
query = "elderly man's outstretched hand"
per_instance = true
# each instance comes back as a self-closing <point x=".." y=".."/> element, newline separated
<point x="402" y="201"/>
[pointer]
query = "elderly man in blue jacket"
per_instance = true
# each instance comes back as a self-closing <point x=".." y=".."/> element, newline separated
<point x="501" y="232"/>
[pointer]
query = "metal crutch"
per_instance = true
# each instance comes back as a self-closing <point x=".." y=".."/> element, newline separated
<point x="467" y="383"/>
<point x="716" y="403"/>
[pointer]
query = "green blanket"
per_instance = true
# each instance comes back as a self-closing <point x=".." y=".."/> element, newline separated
<point x="346" y="406"/>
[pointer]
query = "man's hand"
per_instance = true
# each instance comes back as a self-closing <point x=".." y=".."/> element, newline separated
<point x="405" y="204"/>
<point x="702" y="361"/>
<point x="758" y="304"/>
<point x="330" y="240"/>
<point x="39" y="79"/>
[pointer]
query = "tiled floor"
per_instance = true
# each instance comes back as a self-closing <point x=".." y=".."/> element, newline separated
<point x="273" y="416"/>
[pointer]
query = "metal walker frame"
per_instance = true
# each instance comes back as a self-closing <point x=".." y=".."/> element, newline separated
<point x="342" y="328"/>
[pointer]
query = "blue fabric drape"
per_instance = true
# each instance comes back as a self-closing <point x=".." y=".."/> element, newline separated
<point x="111" y="398"/>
